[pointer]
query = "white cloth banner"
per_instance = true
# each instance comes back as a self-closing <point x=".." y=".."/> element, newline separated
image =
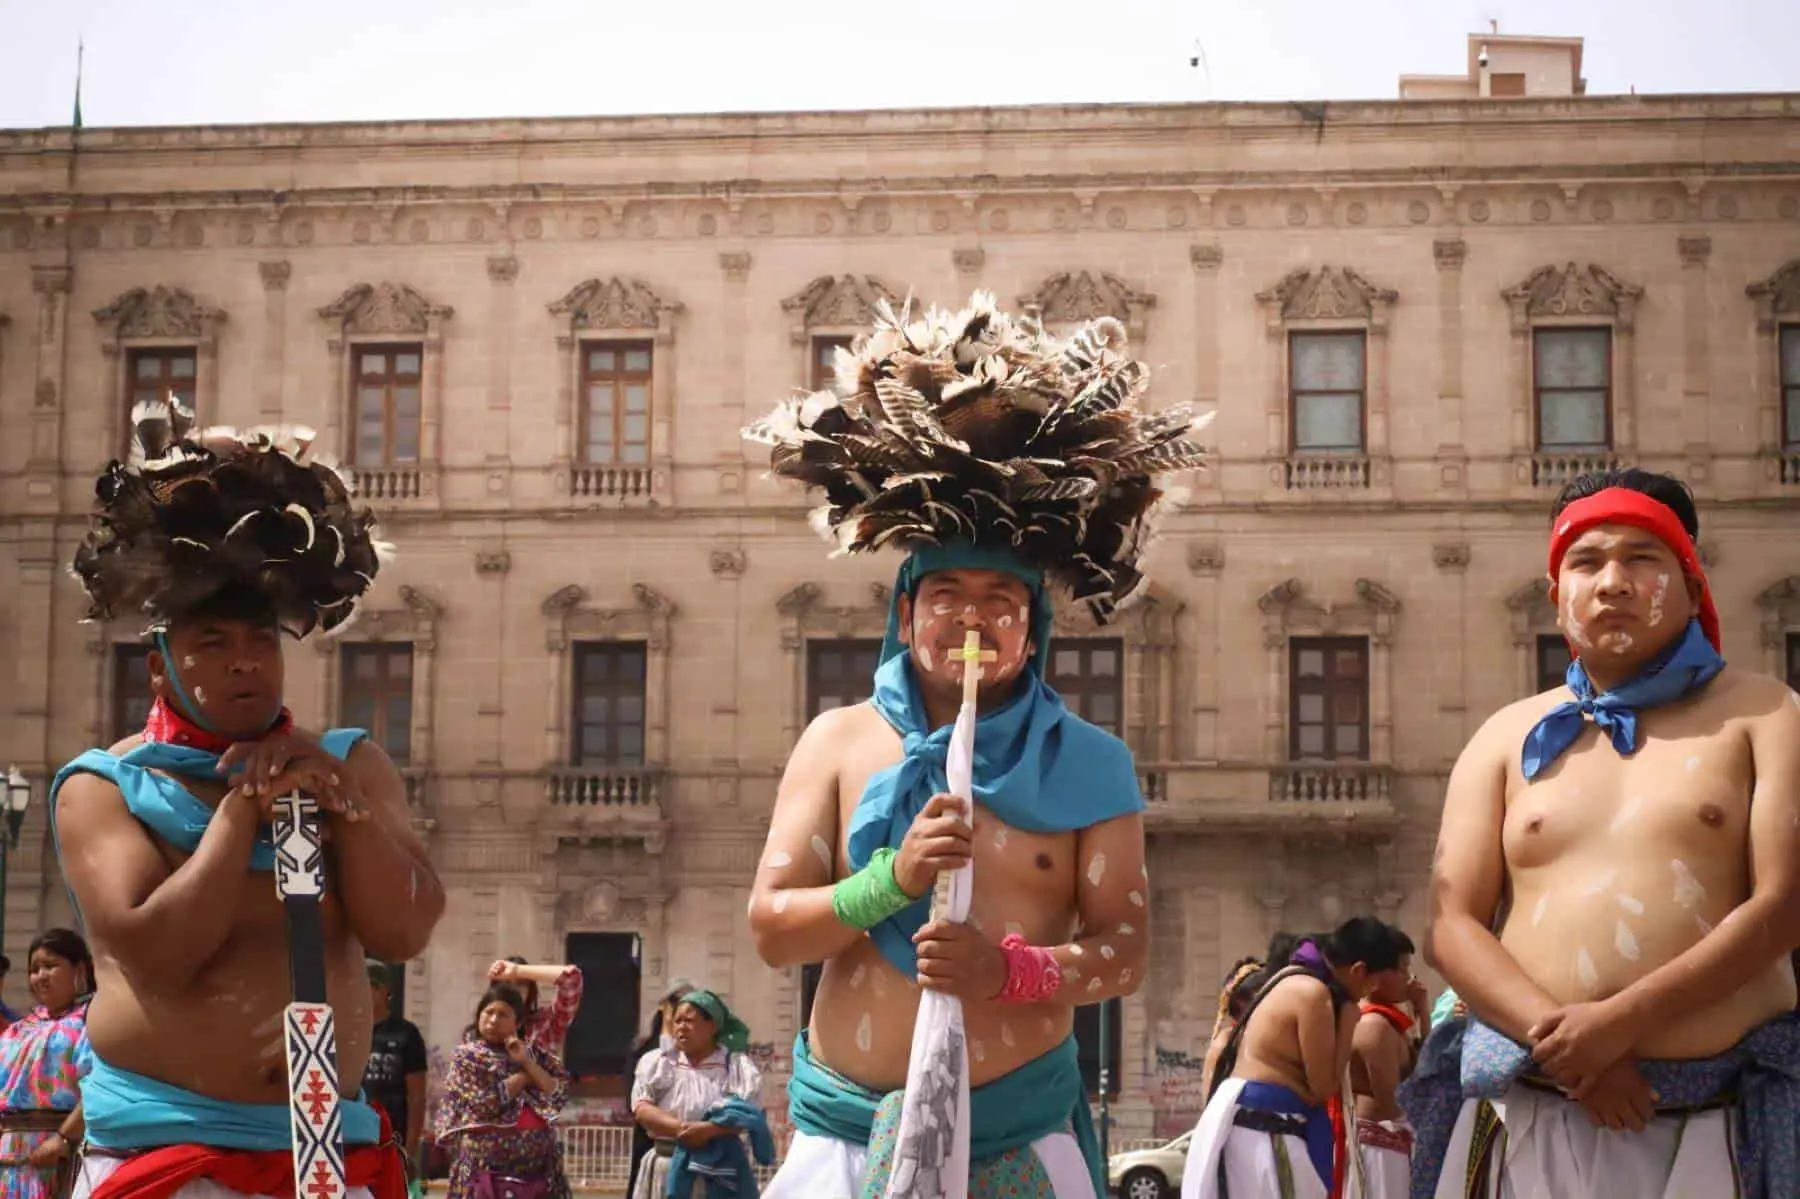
<point x="931" y="1157"/>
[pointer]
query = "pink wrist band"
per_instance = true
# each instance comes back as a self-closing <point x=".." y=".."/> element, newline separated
<point x="1032" y="974"/>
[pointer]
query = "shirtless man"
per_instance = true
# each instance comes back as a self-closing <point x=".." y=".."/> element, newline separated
<point x="1615" y="895"/>
<point x="1381" y="1056"/>
<point x="163" y="841"/>
<point x="1266" y="1130"/>
<point x="1040" y="885"/>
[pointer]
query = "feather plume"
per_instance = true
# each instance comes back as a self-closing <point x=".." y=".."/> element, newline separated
<point x="983" y="426"/>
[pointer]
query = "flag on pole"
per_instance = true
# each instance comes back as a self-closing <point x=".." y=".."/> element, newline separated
<point x="80" y="51"/>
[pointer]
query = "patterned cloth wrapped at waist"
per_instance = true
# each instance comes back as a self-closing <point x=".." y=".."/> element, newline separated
<point x="1381" y="1134"/>
<point x="1466" y="1059"/>
<point x="1311" y="1122"/>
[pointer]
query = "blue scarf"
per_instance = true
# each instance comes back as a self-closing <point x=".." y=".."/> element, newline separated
<point x="127" y="1111"/>
<point x="1682" y="669"/>
<point x="1038" y="766"/>
<point x="149" y="775"/>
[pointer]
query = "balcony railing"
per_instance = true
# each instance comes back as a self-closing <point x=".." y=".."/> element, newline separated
<point x="1556" y="470"/>
<point x="1335" y="782"/>
<point x="1327" y="472"/>
<point x="610" y="482"/>
<point x="377" y="483"/>
<point x="1194" y="796"/>
<point x="1789" y="468"/>
<point x="604" y="787"/>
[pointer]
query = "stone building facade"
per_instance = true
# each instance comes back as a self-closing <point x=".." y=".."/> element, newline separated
<point x="535" y="341"/>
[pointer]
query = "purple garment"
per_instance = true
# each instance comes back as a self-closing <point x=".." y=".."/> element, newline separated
<point x="1309" y="955"/>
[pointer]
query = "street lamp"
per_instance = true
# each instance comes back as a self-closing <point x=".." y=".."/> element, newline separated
<point x="17" y="798"/>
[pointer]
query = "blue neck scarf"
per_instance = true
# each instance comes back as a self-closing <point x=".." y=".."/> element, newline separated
<point x="1682" y="669"/>
<point x="1038" y="766"/>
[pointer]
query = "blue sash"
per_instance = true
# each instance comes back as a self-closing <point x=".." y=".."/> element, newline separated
<point x="126" y="1111"/>
<point x="1273" y="1097"/>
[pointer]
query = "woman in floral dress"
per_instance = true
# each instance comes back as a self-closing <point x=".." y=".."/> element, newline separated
<point x="501" y="1094"/>
<point x="546" y="1027"/>
<point x="42" y="1060"/>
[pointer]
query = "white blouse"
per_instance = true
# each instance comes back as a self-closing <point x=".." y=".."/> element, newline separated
<point x="666" y="1079"/>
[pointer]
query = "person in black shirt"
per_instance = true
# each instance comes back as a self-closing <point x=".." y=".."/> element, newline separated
<point x="395" y="1075"/>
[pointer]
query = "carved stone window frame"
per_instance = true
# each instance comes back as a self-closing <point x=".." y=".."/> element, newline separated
<point x="1288" y="612"/>
<point x="568" y="619"/>
<point x="1071" y="297"/>
<point x="1777" y="301"/>
<point x="159" y="317"/>
<point x="1149" y="629"/>
<point x="1780" y="605"/>
<point x="101" y="642"/>
<point x="1329" y="299"/>
<point x="831" y="306"/>
<point x="805" y="616"/>
<point x="385" y="314"/>
<point x="415" y="621"/>
<point x="1532" y="616"/>
<point x="616" y="309"/>
<point x="1572" y="296"/>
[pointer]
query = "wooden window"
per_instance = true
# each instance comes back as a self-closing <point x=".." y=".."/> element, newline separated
<point x="840" y="672"/>
<point x="131" y="696"/>
<point x="606" y="1025"/>
<point x="1552" y="661"/>
<point x="1790" y="387"/>
<point x="1573" y="377"/>
<point x="387" y="382"/>
<point x="810" y="974"/>
<point x="1793" y="661"/>
<point x="615" y="410"/>
<point x="824" y="360"/>
<point x="1328" y="692"/>
<point x="1327" y="383"/>
<point x="1089" y="674"/>
<point x="609" y="704"/>
<point x="376" y="694"/>
<point x="154" y="374"/>
<point x="1511" y="83"/>
<point x="1087" y="1045"/>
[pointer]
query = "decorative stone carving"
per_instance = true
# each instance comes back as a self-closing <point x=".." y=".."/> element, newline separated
<point x="1532" y="611"/>
<point x="846" y="301"/>
<point x="1777" y="296"/>
<point x="159" y="312"/>
<point x="492" y="563"/>
<point x="1780" y="604"/>
<point x="1206" y="256"/>
<point x="1450" y="555"/>
<point x="385" y="308"/>
<point x="728" y="562"/>
<point x="52" y="280"/>
<point x="803" y="614"/>
<point x="1071" y="297"/>
<point x="567" y="617"/>
<point x="1449" y="253"/>
<point x="503" y="268"/>
<point x="1571" y="290"/>
<point x="1206" y="559"/>
<point x="1694" y="250"/>
<point x="1286" y="606"/>
<point x="616" y="303"/>
<point x="275" y="275"/>
<point x="735" y="265"/>
<point x="1328" y="294"/>
<point x="45" y="396"/>
<point x="968" y="262"/>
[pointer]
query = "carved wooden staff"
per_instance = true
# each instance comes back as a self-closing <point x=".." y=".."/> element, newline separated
<point x="318" y="1130"/>
<point x="931" y="1152"/>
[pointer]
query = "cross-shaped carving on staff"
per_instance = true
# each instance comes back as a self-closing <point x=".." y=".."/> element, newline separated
<point x="971" y="655"/>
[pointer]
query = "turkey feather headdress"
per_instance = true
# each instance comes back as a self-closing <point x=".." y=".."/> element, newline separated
<point x="985" y="428"/>
<point x="188" y="519"/>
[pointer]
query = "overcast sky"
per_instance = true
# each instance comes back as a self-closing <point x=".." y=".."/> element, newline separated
<point x="163" y="62"/>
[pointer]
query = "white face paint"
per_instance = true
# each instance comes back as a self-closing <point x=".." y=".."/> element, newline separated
<point x="1006" y="1035"/>
<point x="822" y="851"/>
<point x="1537" y="913"/>
<point x="1571" y="626"/>
<point x="940" y="609"/>
<point x="1000" y="837"/>
<point x="1096" y="869"/>
<point x="857" y="975"/>
<point x="780" y="860"/>
<point x="1630" y="903"/>
<point x="1005" y="622"/>
<point x="1601" y="883"/>
<point x="925" y="657"/>
<point x="1625" y="941"/>
<point x="1585" y="972"/>
<point x="188" y="661"/>
<point x="1024" y="613"/>
<point x="1688" y="891"/>
<point x="199" y="695"/>
<point x="1657" y="595"/>
<point x="865" y="1033"/>
<point x="1626" y="814"/>
<point x="780" y="902"/>
<point x="1106" y="951"/>
<point x="978" y="1050"/>
<point x="1136" y="898"/>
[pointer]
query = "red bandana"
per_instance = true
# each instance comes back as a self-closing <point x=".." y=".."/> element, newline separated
<point x="1623" y="506"/>
<point x="170" y="727"/>
<point x="1400" y="1020"/>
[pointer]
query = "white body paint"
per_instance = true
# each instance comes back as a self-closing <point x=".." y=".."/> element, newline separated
<point x="1630" y="903"/>
<point x="1136" y="898"/>
<point x="823" y="851"/>
<point x="1625" y="941"/>
<point x="1106" y="951"/>
<point x="780" y="902"/>
<point x="1585" y="972"/>
<point x="1693" y="763"/>
<point x="1688" y="891"/>
<point x="1125" y="930"/>
<point x="1626" y="813"/>
<point x="1537" y="913"/>
<point x="779" y="860"/>
<point x="865" y="1032"/>
<point x="1000" y="837"/>
<point x="1096" y="869"/>
<point x="1601" y="883"/>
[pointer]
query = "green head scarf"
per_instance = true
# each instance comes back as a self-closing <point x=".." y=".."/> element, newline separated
<point x="734" y="1034"/>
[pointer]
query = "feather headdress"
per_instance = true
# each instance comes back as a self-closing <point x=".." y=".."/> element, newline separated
<point x="187" y="518"/>
<point x="983" y="427"/>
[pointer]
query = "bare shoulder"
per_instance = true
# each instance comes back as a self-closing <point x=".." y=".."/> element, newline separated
<point x="843" y="727"/>
<point x="1300" y="989"/>
<point x="1751" y="695"/>
<point x="90" y="810"/>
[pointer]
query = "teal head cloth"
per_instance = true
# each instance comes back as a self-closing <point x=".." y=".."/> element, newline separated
<point x="734" y="1034"/>
<point x="1038" y="766"/>
<point x="964" y="555"/>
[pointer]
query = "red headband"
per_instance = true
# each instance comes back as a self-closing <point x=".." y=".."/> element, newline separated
<point x="1623" y="506"/>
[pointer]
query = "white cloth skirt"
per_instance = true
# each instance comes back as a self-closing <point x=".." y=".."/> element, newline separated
<point x="824" y="1168"/>
<point x="1250" y="1160"/>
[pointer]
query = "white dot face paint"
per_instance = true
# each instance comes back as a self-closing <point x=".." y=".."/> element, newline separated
<point x="1688" y="891"/>
<point x="1657" y="595"/>
<point x="940" y="609"/>
<point x="1077" y="950"/>
<point x="1006" y="1036"/>
<point x="188" y="661"/>
<point x="865" y="1032"/>
<point x="925" y="657"/>
<point x="1600" y="883"/>
<point x="1136" y="898"/>
<point x="1585" y="972"/>
<point x="1625" y="941"/>
<point x="857" y="975"/>
<point x="1106" y="951"/>
<point x="1630" y="903"/>
<point x="1627" y="814"/>
<point x="780" y="860"/>
<point x="822" y="851"/>
<point x="780" y="902"/>
<point x="199" y="695"/>
<point x="1096" y="869"/>
<point x="1537" y="912"/>
<point x="1005" y="622"/>
<point x="1024" y="613"/>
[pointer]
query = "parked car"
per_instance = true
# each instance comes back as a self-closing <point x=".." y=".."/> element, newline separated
<point x="1153" y="1173"/>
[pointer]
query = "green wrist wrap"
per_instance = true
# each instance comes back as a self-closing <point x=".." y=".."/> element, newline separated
<point x="870" y="895"/>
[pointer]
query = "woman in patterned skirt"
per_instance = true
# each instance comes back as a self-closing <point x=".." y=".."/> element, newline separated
<point x="501" y="1095"/>
<point x="42" y="1059"/>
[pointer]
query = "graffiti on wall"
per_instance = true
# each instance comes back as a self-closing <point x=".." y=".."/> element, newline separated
<point x="1175" y="1092"/>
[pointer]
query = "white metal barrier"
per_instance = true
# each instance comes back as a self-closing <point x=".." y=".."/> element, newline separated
<point x="598" y="1156"/>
